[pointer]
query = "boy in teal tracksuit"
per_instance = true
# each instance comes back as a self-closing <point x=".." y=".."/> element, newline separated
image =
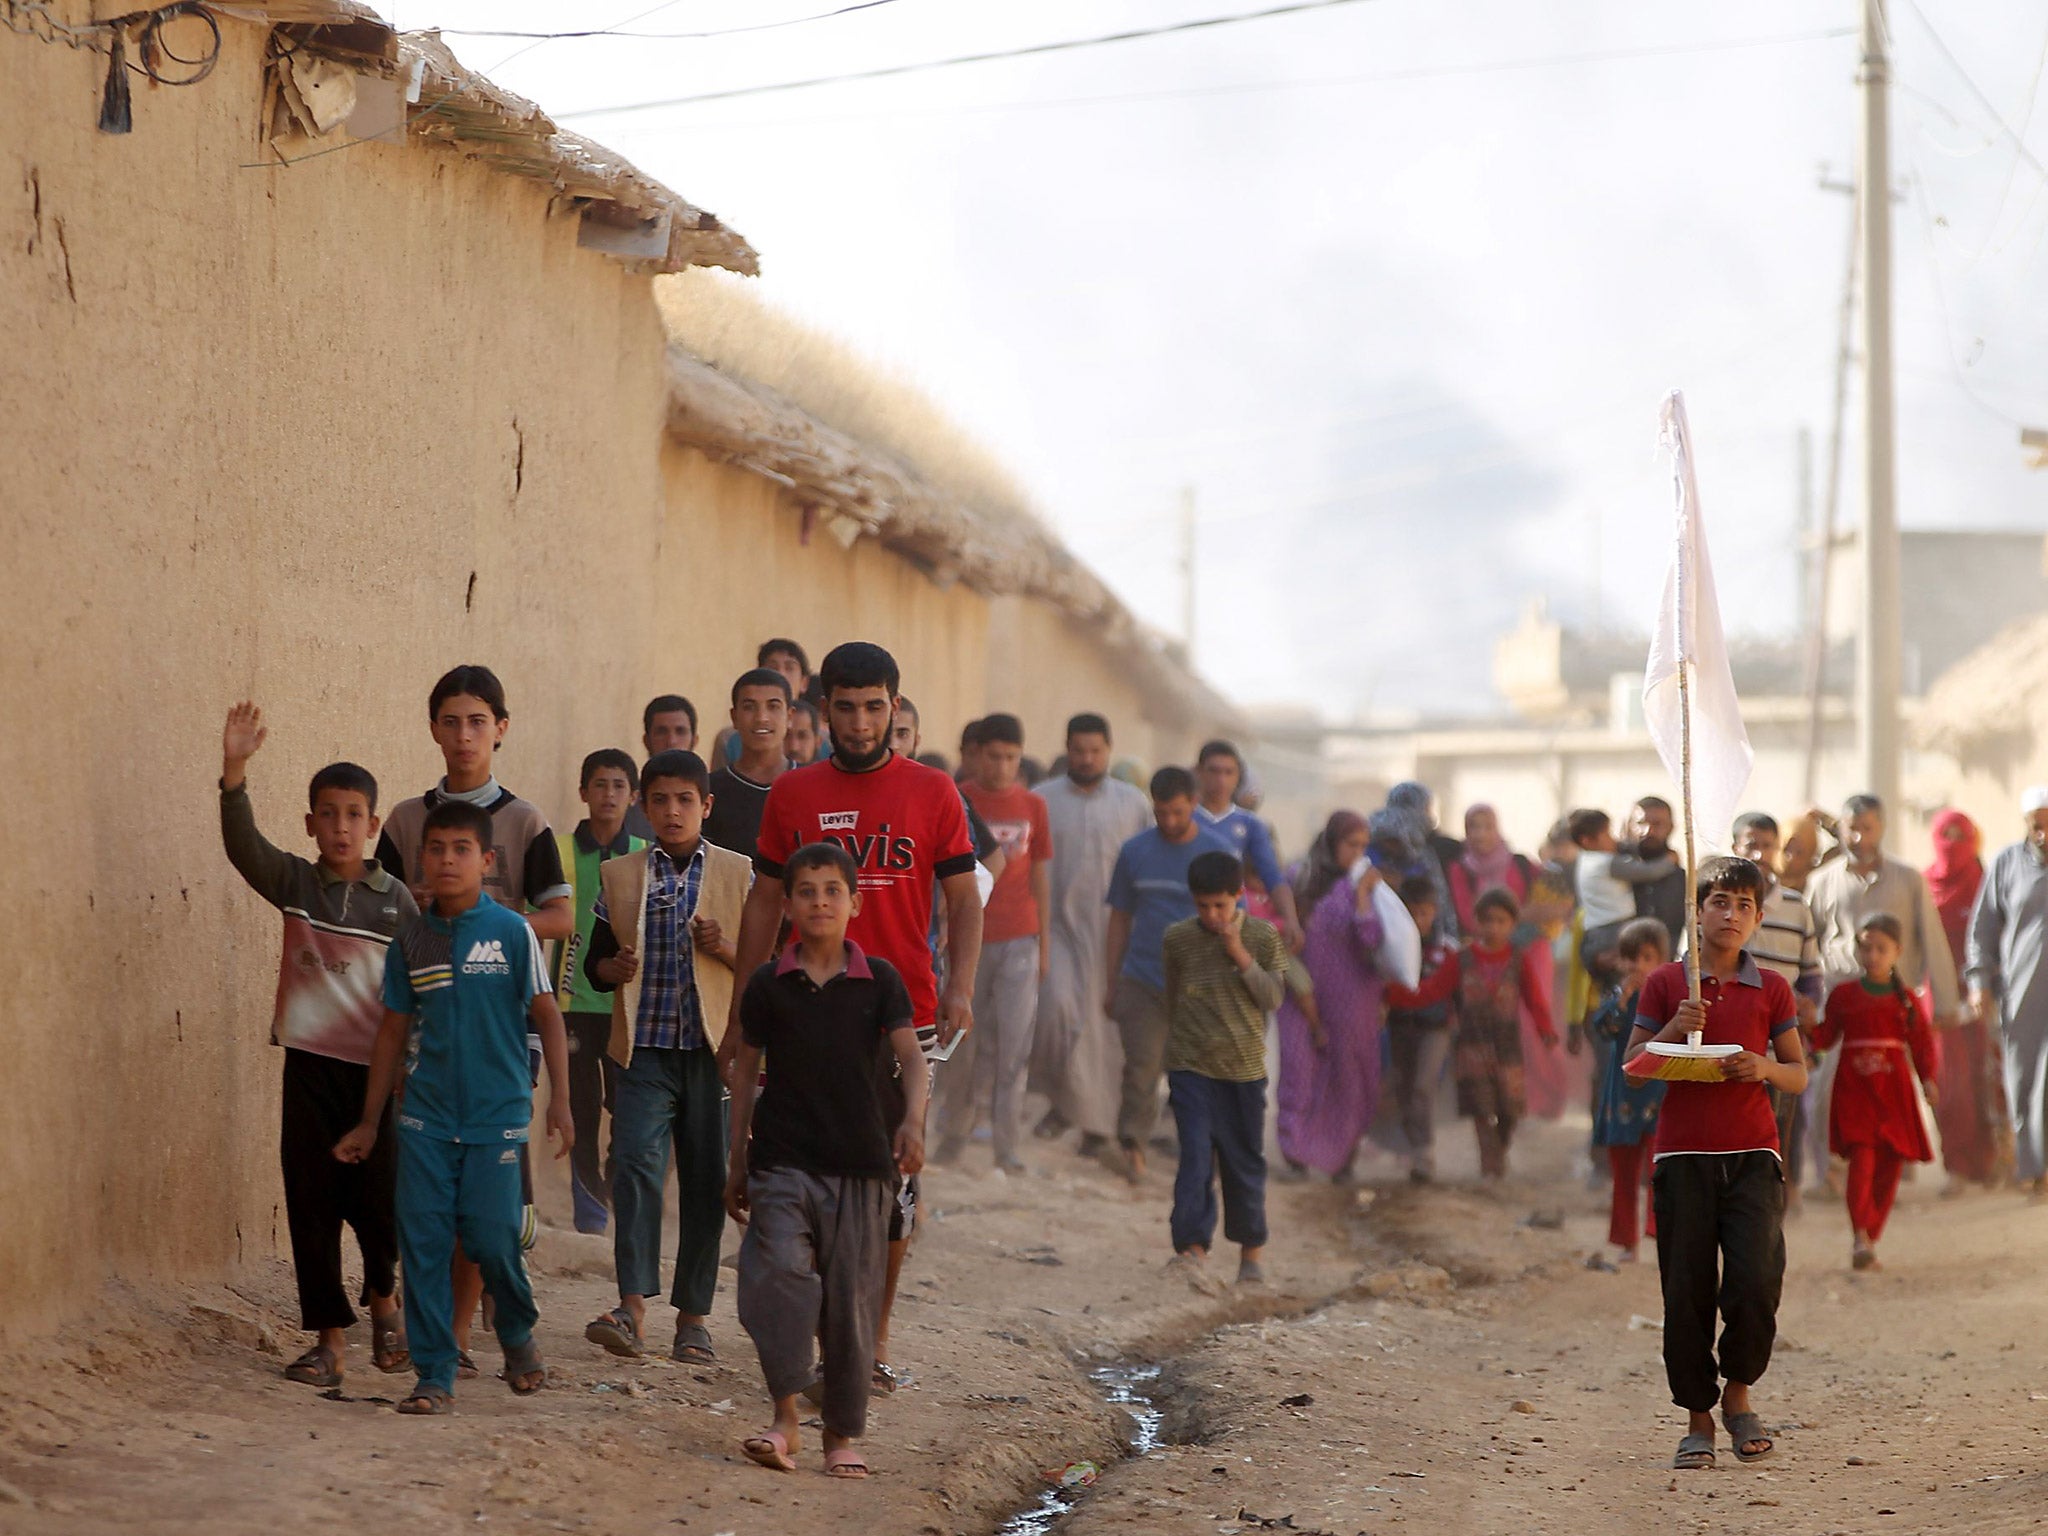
<point x="461" y="983"/>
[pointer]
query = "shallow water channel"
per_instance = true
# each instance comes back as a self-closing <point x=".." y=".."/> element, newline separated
<point x="1126" y="1386"/>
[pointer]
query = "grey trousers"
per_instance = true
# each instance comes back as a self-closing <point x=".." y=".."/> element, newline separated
<point x="812" y="1268"/>
<point x="993" y="1061"/>
<point x="1140" y="1014"/>
<point x="1416" y="1055"/>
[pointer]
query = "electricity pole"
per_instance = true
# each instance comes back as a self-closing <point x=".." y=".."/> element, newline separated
<point x="1879" y="655"/>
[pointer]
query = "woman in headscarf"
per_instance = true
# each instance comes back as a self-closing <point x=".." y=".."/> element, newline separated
<point x="1486" y="864"/>
<point x="1971" y="1114"/>
<point x="1330" y="1064"/>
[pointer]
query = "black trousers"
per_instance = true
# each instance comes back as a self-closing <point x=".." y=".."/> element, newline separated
<point x="1720" y="1247"/>
<point x="323" y="1100"/>
<point x="590" y="1094"/>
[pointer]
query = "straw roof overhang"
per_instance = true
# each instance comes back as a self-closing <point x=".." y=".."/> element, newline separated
<point x="626" y="212"/>
<point x="465" y="111"/>
<point x="1990" y="699"/>
<point x="859" y="490"/>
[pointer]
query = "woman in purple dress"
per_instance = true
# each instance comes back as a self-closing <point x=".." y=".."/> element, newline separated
<point x="1329" y="1076"/>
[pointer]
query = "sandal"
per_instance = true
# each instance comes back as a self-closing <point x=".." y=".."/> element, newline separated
<point x="317" y="1367"/>
<point x="1695" y="1454"/>
<point x="693" y="1345"/>
<point x="884" y="1380"/>
<point x="388" y="1351"/>
<point x="465" y="1368"/>
<point x="427" y="1398"/>
<point x="769" y="1449"/>
<point x="524" y="1373"/>
<point x="617" y="1333"/>
<point x="1745" y="1430"/>
<point x="846" y="1462"/>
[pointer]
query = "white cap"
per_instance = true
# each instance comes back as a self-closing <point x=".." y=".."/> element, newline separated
<point x="2033" y="798"/>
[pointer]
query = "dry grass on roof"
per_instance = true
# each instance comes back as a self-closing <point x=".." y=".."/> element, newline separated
<point x="725" y="321"/>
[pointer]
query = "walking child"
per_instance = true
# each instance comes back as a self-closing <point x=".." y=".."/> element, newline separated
<point x="1875" y="1119"/>
<point x="339" y="917"/>
<point x="609" y="783"/>
<point x="1224" y="973"/>
<point x="1495" y="981"/>
<point x="468" y="718"/>
<point x="462" y="982"/>
<point x="990" y="1067"/>
<point x="662" y="946"/>
<point x="1719" y="1186"/>
<point x="1625" y="1108"/>
<point x="1419" y="1030"/>
<point x="815" y="1162"/>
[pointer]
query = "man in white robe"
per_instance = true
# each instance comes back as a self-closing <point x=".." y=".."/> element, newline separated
<point x="1077" y="1057"/>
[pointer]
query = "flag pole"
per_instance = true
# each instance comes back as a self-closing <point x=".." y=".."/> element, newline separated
<point x="1692" y="908"/>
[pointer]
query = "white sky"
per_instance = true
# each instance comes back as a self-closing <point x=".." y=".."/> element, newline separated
<point x="1405" y="337"/>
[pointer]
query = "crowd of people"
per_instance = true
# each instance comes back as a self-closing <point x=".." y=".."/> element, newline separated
<point x="769" y="965"/>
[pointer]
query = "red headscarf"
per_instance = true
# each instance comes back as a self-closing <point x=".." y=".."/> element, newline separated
<point x="1955" y="874"/>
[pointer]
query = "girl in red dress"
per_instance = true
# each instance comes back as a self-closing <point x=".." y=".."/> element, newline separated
<point x="1875" y="1121"/>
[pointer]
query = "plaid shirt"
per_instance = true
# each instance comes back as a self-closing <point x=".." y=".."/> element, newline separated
<point x="671" y="1014"/>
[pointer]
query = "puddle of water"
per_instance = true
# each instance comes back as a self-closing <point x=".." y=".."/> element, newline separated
<point x="1129" y="1387"/>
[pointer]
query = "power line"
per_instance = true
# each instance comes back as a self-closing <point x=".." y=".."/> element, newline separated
<point x="1378" y="77"/>
<point x="614" y="31"/>
<point x="1032" y="50"/>
<point x="1983" y="101"/>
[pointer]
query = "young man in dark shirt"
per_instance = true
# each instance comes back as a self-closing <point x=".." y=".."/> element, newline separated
<point x="814" y="1167"/>
<point x="761" y="701"/>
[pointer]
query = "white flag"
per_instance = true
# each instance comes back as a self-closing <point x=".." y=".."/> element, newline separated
<point x="1688" y="635"/>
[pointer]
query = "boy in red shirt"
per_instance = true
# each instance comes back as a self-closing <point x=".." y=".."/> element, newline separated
<point x="1719" y="1188"/>
<point x="991" y="1065"/>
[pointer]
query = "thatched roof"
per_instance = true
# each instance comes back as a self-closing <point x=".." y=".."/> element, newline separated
<point x="625" y="211"/>
<point x="1990" y="698"/>
<point x="859" y="489"/>
<point x="508" y="133"/>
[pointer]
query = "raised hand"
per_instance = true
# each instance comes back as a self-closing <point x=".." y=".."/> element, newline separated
<point x="240" y="739"/>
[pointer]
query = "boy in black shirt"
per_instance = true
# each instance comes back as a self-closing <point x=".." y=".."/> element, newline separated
<point x="814" y="1169"/>
<point x="739" y="791"/>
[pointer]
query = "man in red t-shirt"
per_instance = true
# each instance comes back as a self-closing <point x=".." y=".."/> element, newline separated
<point x="906" y="827"/>
<point x="1719" y="1190"/>
<point x="991" y="1067"/>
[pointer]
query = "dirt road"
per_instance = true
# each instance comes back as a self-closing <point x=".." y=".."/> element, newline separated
<point x="1461" y="1372"/>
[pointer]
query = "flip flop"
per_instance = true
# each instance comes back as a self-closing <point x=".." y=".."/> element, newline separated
<point x="693" y="1345"/>
<point x="522" y="1361"/>
<point x="428" y="1399"/>
<point x="317" y="1367"/>
<point x="388" y="1351"/>
<point x="882" y="1379"/>
<point x="1745" y="1428"/>
<point x="769" y="1449"/>
<point x="615" y="1331"/>
<point x="845" y="1462"/>
<point x="1695" y="1454"/>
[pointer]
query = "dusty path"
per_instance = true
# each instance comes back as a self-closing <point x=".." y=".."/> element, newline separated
<point x="1464" y="1374"/>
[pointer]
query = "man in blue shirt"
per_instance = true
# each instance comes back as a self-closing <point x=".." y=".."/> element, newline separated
<point x="1219" y="775"/>
<point x="462" y="981"/>
<point x="1148" y="893"/>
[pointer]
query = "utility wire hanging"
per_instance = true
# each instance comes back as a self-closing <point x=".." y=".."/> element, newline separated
<point x="618" y="31"/>
<point x="111" y="37"/>
<point x="1032" y="50"/>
